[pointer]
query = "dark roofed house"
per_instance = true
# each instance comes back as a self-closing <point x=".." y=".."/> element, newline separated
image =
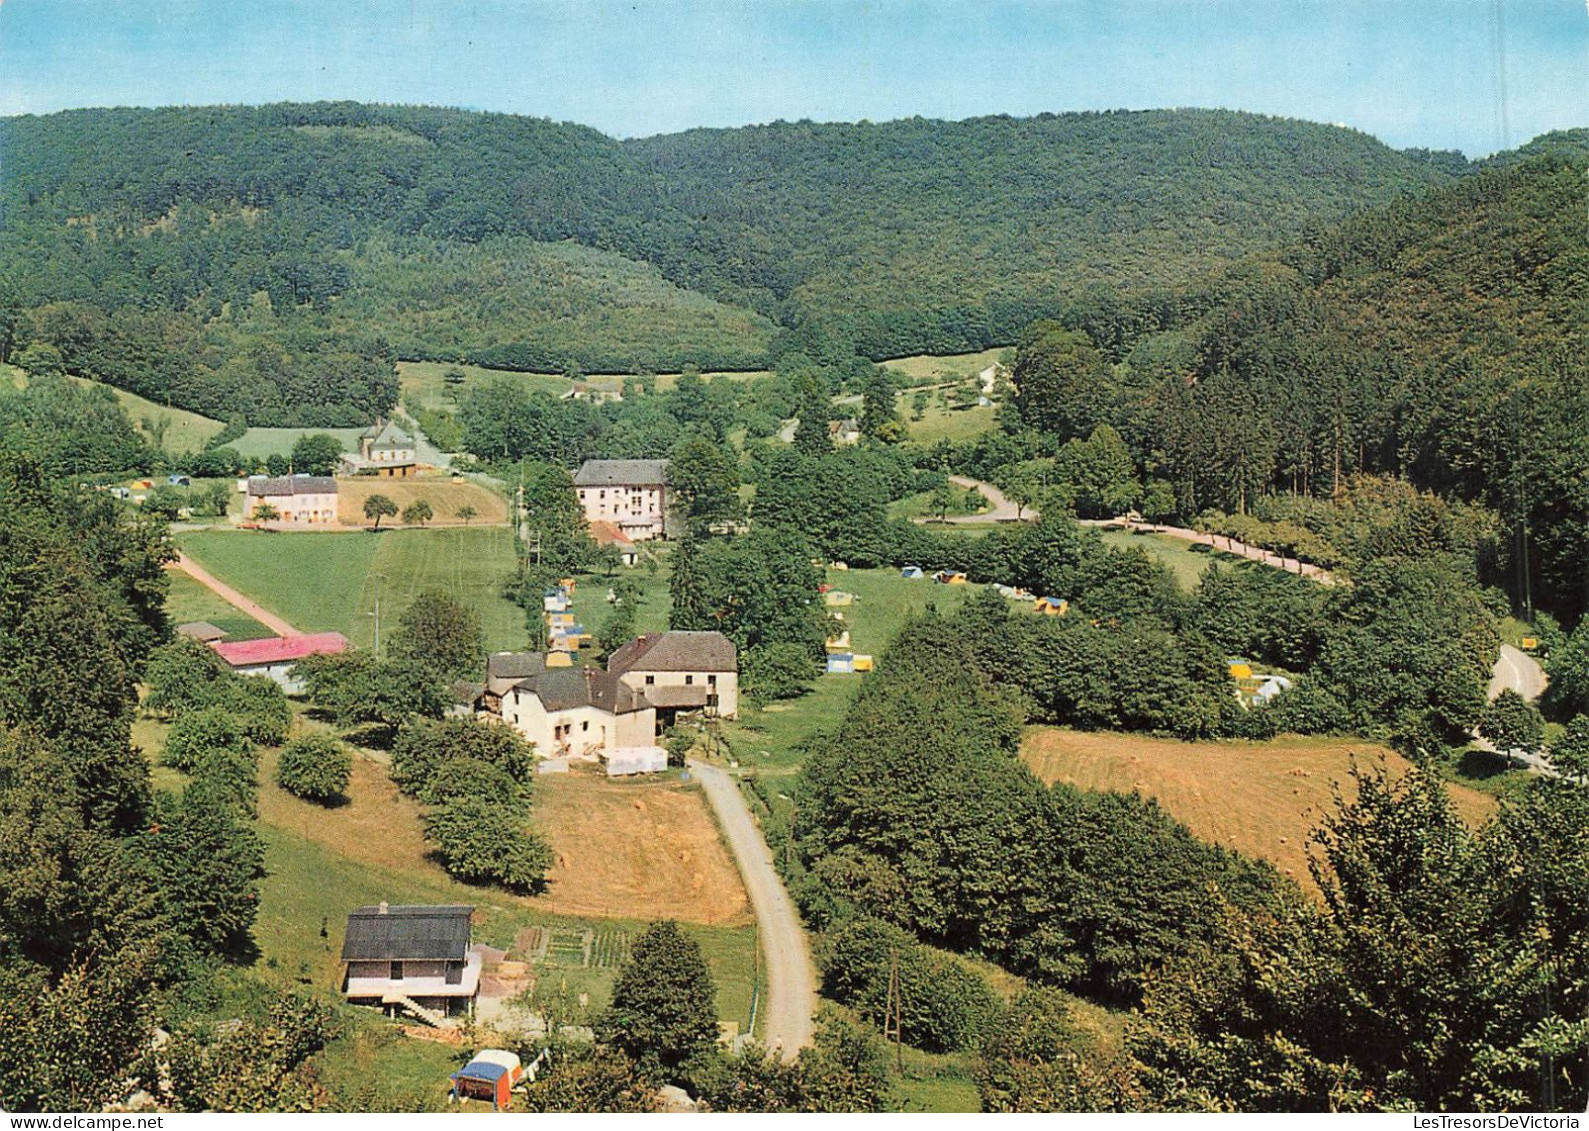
<point x="202" y="631"/>
<point x="415" y="958"/>
<point x="628" y="494"/>
<point x="680" y="671"/>
<point x="585" y="713"/>
<point x="386" y="450"/>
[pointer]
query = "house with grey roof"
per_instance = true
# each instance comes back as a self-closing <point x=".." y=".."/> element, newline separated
<point x="411" y="958"/>
<point x="295" y="500"/>
<point x="629" y="494"/>
<point x="681" y="671"/>
<point x="386" y="450"/>
<point x="584" y="713"/>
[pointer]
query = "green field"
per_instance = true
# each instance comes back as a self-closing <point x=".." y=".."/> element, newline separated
<point x="424" y="382"/>
<point x="1187" y="560"/>
<point x="190" y="601"/>
<point x="259" y="443"/>
<point x="329" y="582"/>
<point x="939" y="423"/>
<point x="953" y="367"/>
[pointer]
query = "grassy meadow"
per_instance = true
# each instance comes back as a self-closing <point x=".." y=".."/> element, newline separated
<point x="329" y="582"/>
<point x="261" y="443"/>
<point x="190" y="601"/>
<point x="925" y="367"/>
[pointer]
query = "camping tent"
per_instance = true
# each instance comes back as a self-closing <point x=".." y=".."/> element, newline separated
<point x="841" y="663"/>
<point x="912" y="573"/>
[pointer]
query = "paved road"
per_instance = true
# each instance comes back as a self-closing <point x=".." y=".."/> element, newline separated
<point x="1003" y="510"/>
<point x="1517" y="671"/>
<point x="791" y="997"/>
<point x="232" y="597"/>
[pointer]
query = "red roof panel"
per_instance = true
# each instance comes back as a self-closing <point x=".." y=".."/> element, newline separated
<point x="280" y="649"/>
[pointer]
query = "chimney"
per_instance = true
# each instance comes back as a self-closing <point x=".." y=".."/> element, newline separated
<point x="385" y="907"/>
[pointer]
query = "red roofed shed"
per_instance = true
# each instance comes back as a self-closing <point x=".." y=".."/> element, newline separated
<point x="274" y="656"/>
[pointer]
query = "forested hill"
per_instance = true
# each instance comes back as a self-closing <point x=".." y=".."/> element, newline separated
<point x="941" y="236"/>
<point x="204" y="255"/>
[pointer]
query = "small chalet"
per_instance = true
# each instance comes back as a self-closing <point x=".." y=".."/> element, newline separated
<point x="298" y="500"/>
<point x="630" y="494"/>
<point x="275" y="656"/>
<point x="681" y="671"/>
<point x="386" y="450"/>
<point x="413" y="958"/>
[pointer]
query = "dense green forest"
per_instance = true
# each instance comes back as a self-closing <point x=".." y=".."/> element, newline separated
<point x="273" y="260"/>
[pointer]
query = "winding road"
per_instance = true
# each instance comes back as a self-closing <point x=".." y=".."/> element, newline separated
<point x="790" y="977"/>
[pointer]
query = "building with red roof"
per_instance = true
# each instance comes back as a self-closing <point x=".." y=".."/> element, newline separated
<point x="275" y="656"/>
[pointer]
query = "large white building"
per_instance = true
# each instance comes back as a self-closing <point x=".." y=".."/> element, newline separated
<point x="580" y="713"/>
<point x="630" y="494"/>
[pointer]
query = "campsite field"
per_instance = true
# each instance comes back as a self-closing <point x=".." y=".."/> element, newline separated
<point x="329" y="582"/>
<point x="425" y="381"/>
<point x="444" y="495"/>
<point x="1261" y="798"/>
<point x="772" y="737"/>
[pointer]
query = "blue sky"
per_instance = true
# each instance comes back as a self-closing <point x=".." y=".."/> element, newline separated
<point x="1475" y="75"/>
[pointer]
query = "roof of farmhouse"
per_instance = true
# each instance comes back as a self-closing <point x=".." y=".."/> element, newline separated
<point x="415" y="932"/>
<point x="270" y="486"/>
<point x="622" y="473"/>
<point x="675" y="652"/>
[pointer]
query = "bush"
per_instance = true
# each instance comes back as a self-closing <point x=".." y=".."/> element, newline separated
<point x="422" y="746"/>
<point x="315" y="767"/>
<point x="480" y="841"/>
<point x="777" y="671"/>
<point x="1512" y="723"/>
<point x="260" y="707"/>
<point x="196" y="734"/>
<point x="944" y="1006"/>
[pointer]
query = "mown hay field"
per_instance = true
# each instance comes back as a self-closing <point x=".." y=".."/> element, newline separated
<point x="1261" y="798"/>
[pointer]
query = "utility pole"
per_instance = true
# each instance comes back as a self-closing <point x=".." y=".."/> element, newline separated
<point x="892" y="1011"/>
<point x="378" y="578"/>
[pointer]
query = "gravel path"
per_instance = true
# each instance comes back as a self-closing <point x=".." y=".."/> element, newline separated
<point x="791" y="996"/>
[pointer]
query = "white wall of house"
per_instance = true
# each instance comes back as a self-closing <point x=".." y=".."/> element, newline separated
<point x="581" y="731"/>
<point x="419" y="980"/>
<point x="281" y="673"/>
<point x="640" y="512"/>
<point x="299" y="510"/>
<point x="725" y="685"/>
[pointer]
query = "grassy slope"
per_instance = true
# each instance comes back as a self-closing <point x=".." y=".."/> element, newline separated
<point x="1262" y="798"/>
<point x="184" y="431"/>
<point x="190" y="601"/>
<point x="328" y="582"/>
<point x="950" y="367"/>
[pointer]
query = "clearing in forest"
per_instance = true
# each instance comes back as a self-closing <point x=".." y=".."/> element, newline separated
<point x="1260" y="798"/>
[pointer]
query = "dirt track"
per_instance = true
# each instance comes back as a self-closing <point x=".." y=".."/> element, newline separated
<point x="232" y="597"/>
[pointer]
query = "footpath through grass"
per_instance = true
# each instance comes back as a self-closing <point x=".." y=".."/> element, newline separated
<point x="329" y="582"/>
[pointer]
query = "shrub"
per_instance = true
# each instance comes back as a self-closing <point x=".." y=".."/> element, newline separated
<point x="197" y="733"/>
<point x="1512" y="723"/>
<point x="480" y="841"/>
<point x="423" y="745"/>
<point x="315" y="767"/>
<point x="777" y="671"/>
<point x="944" y="1005"/>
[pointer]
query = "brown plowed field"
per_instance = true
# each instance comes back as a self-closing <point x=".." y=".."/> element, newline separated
<point x="444" y="496"/>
